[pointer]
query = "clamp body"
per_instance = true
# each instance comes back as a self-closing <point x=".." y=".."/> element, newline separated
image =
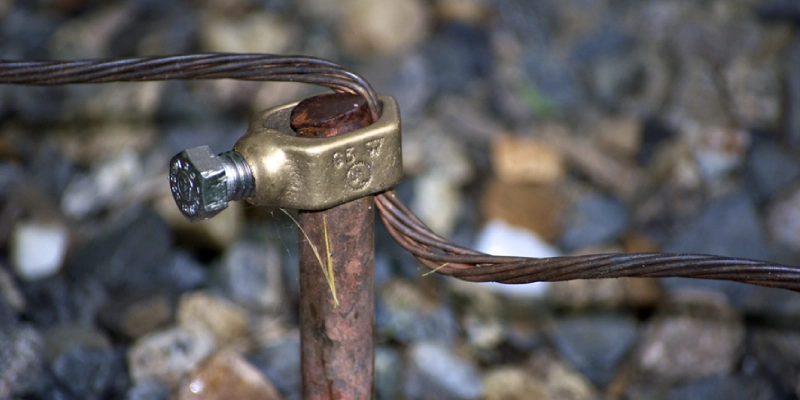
<point x="314" y="174"/>
<point x="271" y="166"/>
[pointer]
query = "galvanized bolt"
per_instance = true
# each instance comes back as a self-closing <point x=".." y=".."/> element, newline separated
<point x="203" y="183"/>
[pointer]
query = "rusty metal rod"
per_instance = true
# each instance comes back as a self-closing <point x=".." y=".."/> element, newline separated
<point x="337" y="342"/>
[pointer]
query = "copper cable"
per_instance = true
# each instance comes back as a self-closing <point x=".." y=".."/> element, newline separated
<point x="431" y="250"/>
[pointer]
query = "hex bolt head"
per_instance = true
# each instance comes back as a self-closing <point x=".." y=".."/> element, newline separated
<point x="198" y="183"/>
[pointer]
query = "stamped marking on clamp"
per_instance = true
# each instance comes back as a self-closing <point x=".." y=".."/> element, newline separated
<point x="359" y="168"/>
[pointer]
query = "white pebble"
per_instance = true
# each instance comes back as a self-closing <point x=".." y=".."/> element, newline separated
<point x="500" y="239"/>
<point x="38" y="249"/>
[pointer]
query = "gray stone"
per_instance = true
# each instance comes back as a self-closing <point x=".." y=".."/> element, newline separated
<point x="183" y="272"/>
<point x="793" y="88"/>
<point x="280" y="362"/>
<point x="459" y="55"/>
<point x="405" y="314"/>
<point x="409" y="80"/>
<point x="729" y="226"/>
<point x="389" y="369"/>
<point x="21" y="356"/>
<point x="778" y="353"/>
<point x="11" y="176"/>
<point x="779" y="10"/>
<point x="169" y="355"/>
<point x="50" y="170"/>
<point x="130" y="252"/>
<point x="227" y="321"/>
<point x="12" y="302"/>
<point x="698" y="335"/>
<point x="107" y="182"/>
<point x="251" y="274"/>
<point x="63" y="338"/>
<point x="770" y="168"/>
<point x="385" y="27"/>
<point x="49" y="302"/>
<point x="179" y="102"/>
<point x="436" y="373"/>
<point x="696" y="97"/>
<point x="27" y="33"/>
<point x="554" y="82"/>
<point x="159" y="28"/>
<point x="561" y="381"/>
<point x="594" y="345"/>
<point x="148" y="390"/>
<point x="778" y="306"/>
<point x="783" y="219"/>
<point x="594" y="219"/>
<point x="136" y="313"/>
<point x="89" y="373"/>
<point x="507" y="383"/>
<point x="727" y="388"/>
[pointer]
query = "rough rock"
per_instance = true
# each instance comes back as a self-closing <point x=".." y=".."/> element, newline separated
<point x="12" y="300"/>
<point x="63" y="338"/>
<point x="460" y="56"/>
<point x="622" y="177"/>
<point x="138" y="313"/>
<point x="437" y="190"/>
<point x="728" y="226"/>
<point x="605" y="294"/>
<point x="38" y="249"/>
<point x="717" y="150"/>
<point x="513" y="384"/>
<point x="129" y="252"/>
<point x="621" y="135"/>
<point x="90" y="35"/>
<point x="499" y="238"/>
<point x="594" y="345"/>
<point x="769" y="169"/>
<point x="793" y="86"/>
<point x="525" y="160"/>
<point x="563" y="382"/>
<point x="436" y="373"/>
<point x="279" y="361"/>
<point x="406" y="314"/>
<point x="227" y="375"/>
<point x="21" y="357"/>
<point x="536" y="208"/>
<point x="109" y="181"/>
<point x="703" y="338"/>
<point x="148" y="390"/>
<point x="383" y="27"/>
<point x="169" y="355"/>
<point x="594" y="219"/>
<point x="754" y="91"/>
<point x="726" y="387"/>
<point x="254" y="32"/>
<point x="778" y="354"/>
<point x="226" y="320"/>
<point x="251" y="275"/>
<point x="783" y="219"/>
<point x="388" y="382"/>
<point x="90" y="373"/>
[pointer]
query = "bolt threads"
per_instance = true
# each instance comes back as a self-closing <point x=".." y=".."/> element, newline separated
<point x="239" y="178"/>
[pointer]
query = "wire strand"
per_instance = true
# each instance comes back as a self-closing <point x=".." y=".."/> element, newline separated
<point x="433" y="251"/>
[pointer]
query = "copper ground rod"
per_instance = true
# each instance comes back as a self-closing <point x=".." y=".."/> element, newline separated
<point x="337" y="342"/>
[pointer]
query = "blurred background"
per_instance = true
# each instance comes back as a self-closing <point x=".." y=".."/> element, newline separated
<point x="531" y="127"/>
